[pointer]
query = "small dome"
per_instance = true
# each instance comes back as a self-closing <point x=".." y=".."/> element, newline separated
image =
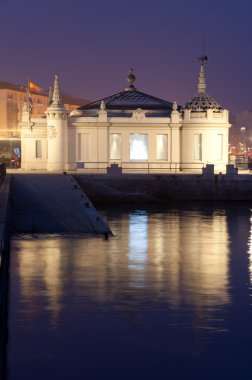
<point x="201" y="102"/>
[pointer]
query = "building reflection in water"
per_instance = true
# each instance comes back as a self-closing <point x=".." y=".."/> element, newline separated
<point x="179" y="259"/>
<point x="250" y="250"/>
<point x="40" y="266"/>
<point x="138" y="248"/>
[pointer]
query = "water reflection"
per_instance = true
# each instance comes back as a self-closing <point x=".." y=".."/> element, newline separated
<point x="138" y="248"/>
<point x="174" y="258"/>
<point x="161" y="286"/>
<point x="39" y="269"/>
<point x="250" y="250"/>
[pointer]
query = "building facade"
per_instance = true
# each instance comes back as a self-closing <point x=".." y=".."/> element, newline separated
<point x="134" y="130"/>
<point x="12" y="99"/>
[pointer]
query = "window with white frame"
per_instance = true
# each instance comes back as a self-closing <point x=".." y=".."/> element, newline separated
<point x="162" y="147"/>
<point x="83" y="147"/>
<point x="115" y="146"/>
<point x="198" y="146"/>
<point x="38" y="149"/>
<point x="138" y="147"/>
<point x="219" y="147"/>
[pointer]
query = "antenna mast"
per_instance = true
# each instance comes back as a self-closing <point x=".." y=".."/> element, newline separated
<point x="204" y="58"/>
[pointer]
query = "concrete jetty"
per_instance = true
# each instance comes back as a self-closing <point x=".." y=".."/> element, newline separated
<point x="39" y="203"/>
<point x="52" y="203"/>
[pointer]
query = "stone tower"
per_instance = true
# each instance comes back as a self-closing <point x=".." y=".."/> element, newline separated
<point x="57" y="135"/>
<point x="204" y="137"/>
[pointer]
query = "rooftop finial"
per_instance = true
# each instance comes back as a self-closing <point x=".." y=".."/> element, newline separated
<point x="203" y="61"/>
<point x="131" y="80"/>
<point x="103" y="106"/>
<point x="28" y="105"/>
<point x="202" y="81"/>
<point x="174" y="106"/>
<point x="56" y="94"/>
<point x="50" y="96"/>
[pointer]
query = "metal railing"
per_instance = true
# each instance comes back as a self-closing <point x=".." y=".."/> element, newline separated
<point x="243" y="164"/>
<point x="139" y="167"/>
<point x="124" y="167"/>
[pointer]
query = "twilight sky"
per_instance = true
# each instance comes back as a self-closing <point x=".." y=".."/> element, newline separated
<point x="92" y="44"/>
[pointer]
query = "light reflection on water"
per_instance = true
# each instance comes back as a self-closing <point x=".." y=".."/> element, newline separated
<point x="160" y="292"/>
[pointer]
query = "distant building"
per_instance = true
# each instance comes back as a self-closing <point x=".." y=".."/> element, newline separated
<point x="12" y="99"/>
<point x="132" y="129"/>
<point x="241" y="136"/>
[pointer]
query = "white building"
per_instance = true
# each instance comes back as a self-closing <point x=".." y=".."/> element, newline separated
<point x="137" y="131"/>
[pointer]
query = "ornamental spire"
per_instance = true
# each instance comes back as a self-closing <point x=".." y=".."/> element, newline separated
<point x="55" y="103"/>
<point x="50" y="96"/>
<point x="202" y="81"/>
<point x="56" y="93"/>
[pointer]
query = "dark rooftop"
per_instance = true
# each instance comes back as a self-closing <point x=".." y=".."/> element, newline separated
<point x="130" y="100"/>
<point x="201" y="102"/>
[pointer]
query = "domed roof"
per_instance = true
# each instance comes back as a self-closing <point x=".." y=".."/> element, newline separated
<point x="202" y="101"/>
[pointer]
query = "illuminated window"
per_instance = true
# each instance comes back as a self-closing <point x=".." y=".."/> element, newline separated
<point x="115" y="146"/>
<point x="138" y="147"/>
<point x="219" y="147"/>
<point x="198" y="147"/>
<point x="83" y="147"/>
<point x="162" y="144"/>
<point x="38" y="149"/>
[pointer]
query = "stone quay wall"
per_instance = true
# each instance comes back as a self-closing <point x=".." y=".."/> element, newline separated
<point x="137" y="188"/>
<point x="4" y="263"/>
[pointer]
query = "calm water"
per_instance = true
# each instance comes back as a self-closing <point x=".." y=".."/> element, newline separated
<point x="168" y="297"/>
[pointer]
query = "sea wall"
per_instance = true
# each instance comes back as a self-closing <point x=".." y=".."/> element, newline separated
<point x="4" y="263"/>
<point x="166" y="188"/>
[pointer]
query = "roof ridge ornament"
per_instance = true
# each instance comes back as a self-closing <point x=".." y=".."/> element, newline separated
<point x="174" y="106"/>
<point x="103" y="106"/>
<point x="131" y="80"/>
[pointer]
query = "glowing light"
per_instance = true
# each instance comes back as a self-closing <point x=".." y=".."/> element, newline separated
<point x="115" y="146"/>
<point x="162" y="142"/>
<point x="138" y="249"/>
<point x="138" y="147"/>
